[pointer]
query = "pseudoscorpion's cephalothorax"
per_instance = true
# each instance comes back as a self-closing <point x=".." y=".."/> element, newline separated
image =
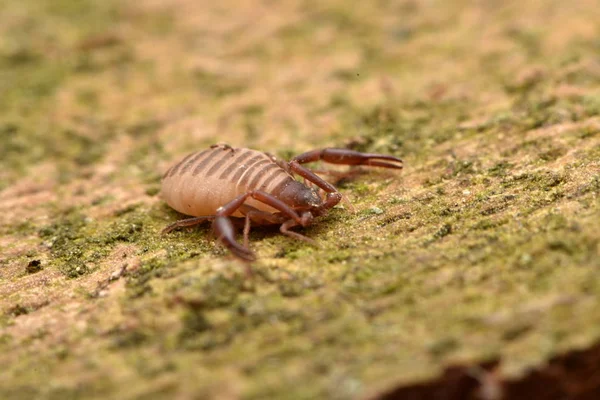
<point x="222" y="182"/>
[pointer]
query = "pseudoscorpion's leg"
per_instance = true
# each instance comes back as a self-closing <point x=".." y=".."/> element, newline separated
<point x="255" y="214"/>
<point x="187" y="222"/>
<point x="333" y="196"/>
<point x="284" y="228"/>
<point x="223" y="227"/>
<point x="349" y="157"/>
<point x="338" y="156"/>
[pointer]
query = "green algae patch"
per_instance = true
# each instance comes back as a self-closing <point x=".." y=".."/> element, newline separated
<point x="485" y="247"/>
<point x="77" y="243"/>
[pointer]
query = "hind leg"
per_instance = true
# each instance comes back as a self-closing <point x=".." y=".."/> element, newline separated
<point x="187" y="222"/>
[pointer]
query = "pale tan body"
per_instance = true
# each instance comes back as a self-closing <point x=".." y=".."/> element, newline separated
<point x="206" y="180"/>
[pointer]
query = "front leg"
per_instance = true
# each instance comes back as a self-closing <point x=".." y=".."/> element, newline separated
<point x="349" y="157"/>
<point x="285" y="229"/>
<point x="254" y="215"/>
<point x="333" y="196"/>
<point x="223" y="227"/>
<point x="338" y="156"/>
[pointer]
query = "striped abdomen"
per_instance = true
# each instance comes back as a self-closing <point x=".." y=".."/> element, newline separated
<point x="208" y="179"/>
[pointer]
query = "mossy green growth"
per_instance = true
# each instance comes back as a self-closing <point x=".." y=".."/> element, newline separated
<point x="61" y="239"/>
<point x="77" y="243"/>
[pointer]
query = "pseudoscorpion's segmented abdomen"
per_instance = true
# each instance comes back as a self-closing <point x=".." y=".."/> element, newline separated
<point x="203" y="181"/>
